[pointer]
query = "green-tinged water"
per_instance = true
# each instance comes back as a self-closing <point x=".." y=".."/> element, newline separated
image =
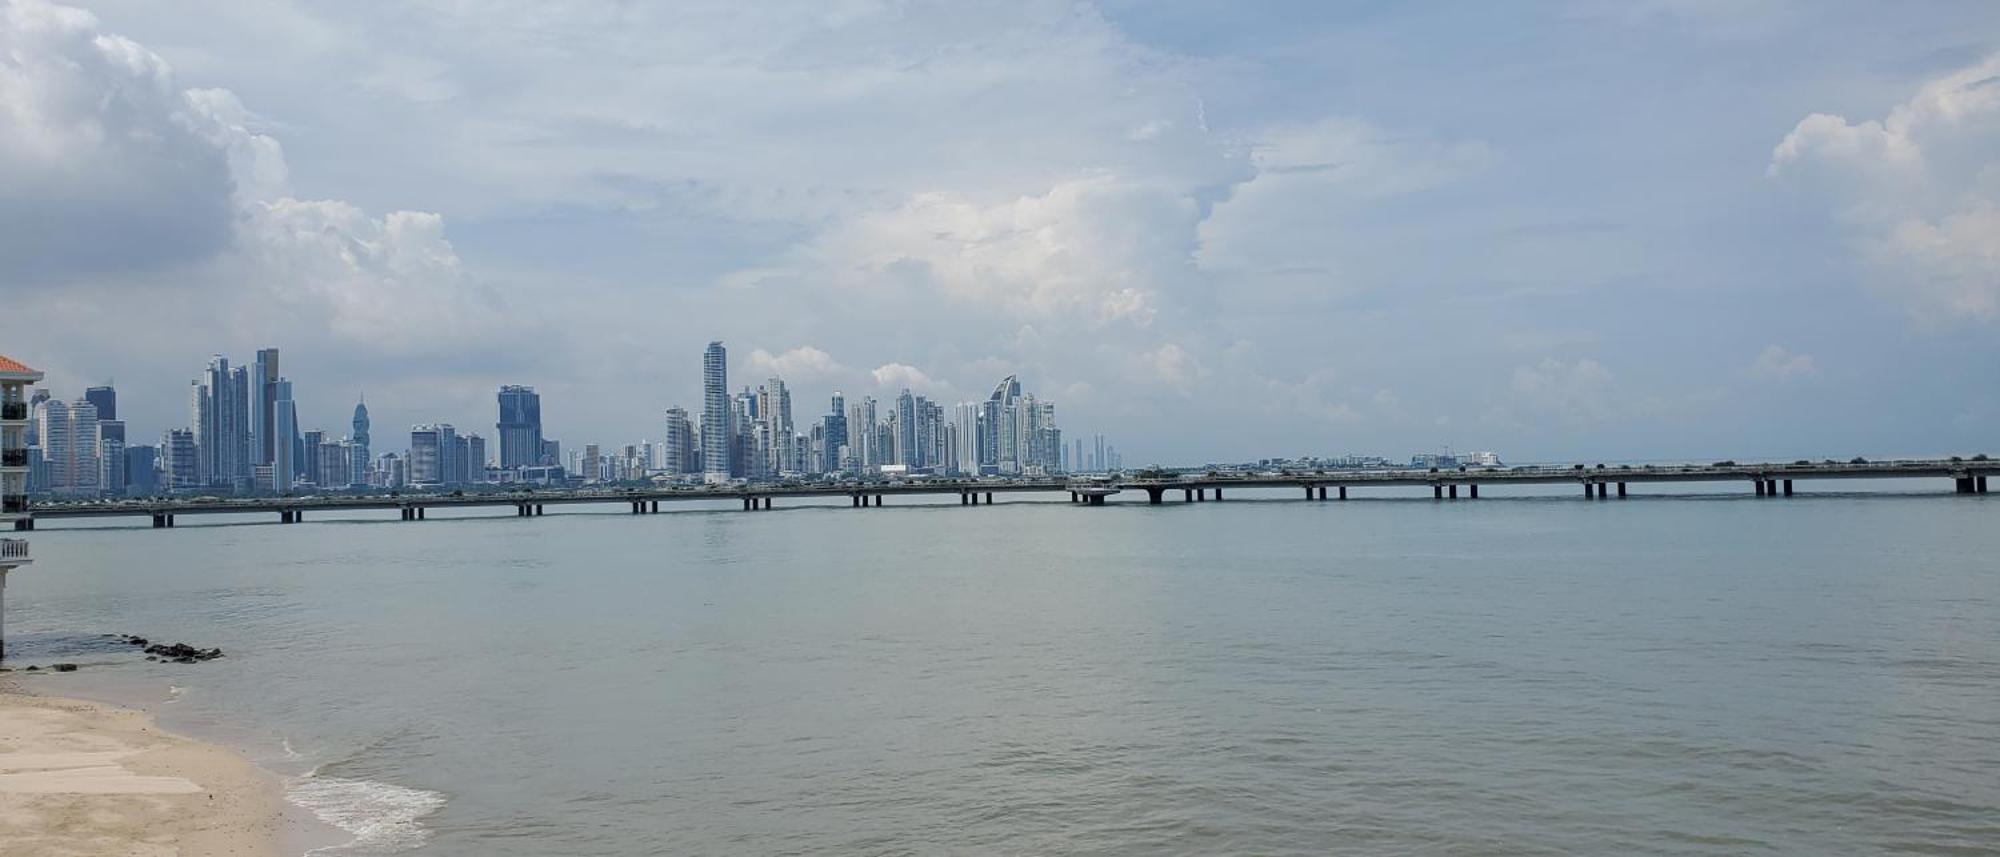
<point x="1699" y="676"/>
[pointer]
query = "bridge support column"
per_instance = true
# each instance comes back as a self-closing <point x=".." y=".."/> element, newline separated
<point x="878" y="500"/>
<point x="159" y="522"/>
<point x="989" y="498"/>
<point x="422" y="513"/>
<point x="1309" y="492"/>
<point x="170" y="522"/>
<point x="1437" y="492"/>
<point x="1201" y="495"/>
<point x="1621" y="490"/>
<point x="1154" y="496"/>
<point x="1981" y="485"/>
<point x="767" y="501"/>
<point x="1963" y="484"/>
<point x="1588" y="491"/>
<point x="1322" y="492"/>
<point x="1473" y="490"/>
<point x="1452" y="491"/>
<point x="1097" y="500"/>
<point x="1760" y="487"/>
<point x="1343" y="492"/>
<point x="1788" y="487"/>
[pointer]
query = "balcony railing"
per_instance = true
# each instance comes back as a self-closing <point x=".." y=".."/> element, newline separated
<point x="14" y="458"/>
<point x="13" y="410"/>
<point x="14" y="549"/>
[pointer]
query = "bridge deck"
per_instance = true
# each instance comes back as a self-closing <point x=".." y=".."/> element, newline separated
<point x="758" y="496"/>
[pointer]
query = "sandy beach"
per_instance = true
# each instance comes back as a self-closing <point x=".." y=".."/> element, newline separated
<point x="81" y="779"/>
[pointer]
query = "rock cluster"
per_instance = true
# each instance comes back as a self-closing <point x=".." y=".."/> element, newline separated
<point x="180" y="653"/>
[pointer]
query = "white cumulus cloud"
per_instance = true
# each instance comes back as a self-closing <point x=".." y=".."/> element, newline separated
<point x="1919" y="189"/>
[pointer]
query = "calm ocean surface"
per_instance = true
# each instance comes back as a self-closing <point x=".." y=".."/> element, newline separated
<point x="1685" y="676"/>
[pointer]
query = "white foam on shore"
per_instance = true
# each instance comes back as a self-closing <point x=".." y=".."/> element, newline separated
<point x="382" y="818"/>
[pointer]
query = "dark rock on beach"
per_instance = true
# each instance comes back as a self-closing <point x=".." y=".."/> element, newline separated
<point x="182" y="653"/>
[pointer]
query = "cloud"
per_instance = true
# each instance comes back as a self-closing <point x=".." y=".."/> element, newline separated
<point x="1918" y="191"/>
<point x="901" y="376"/>
<point x="802" y="364"/>
<point x="1778" y="363"/>
<point x="111" y="164"/>
<point x="104" y="163"/>
<point x="1100" y="249"/>
<point x="1574" y="391"/>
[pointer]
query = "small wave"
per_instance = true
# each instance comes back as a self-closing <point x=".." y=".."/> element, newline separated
<point x="383" y="818"/>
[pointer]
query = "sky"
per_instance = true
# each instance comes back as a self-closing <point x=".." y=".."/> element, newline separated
<point x="1210" y="231"/>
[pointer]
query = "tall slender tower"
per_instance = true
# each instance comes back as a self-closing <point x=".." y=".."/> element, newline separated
<point x="715" y="413"/>
<point x="361" y="454"/>
<point x="284" y="424"/>
<point x="264" y="408"/>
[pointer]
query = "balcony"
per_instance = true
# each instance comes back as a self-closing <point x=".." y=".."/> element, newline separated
<point x="14" y="458"/>
<point x="14" y="551"/>
<point x="13" y="410"/>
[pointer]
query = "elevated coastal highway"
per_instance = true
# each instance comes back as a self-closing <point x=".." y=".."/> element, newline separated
<point x="1768" y="479"/>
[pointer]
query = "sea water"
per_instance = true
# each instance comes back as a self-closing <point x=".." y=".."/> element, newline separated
<point x="1685" y="675"/>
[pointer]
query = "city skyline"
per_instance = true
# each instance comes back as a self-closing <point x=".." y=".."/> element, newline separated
<point x="243" y="435"/>
<point x="1199" y="228"/>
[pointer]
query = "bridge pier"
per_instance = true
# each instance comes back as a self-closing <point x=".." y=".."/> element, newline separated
<point x="989" y="499"/>
<point x="1981" y="486"/>
<point x="1472" y="491"/>
<point x="1621" y="490"/>
<point x="1437" y="492"/>
<point x="1322" y="492"/>
<point x="1218" y="493"/>
<point x="1964" y="484"/>
<point x="1788" y="487"/>
<point x="1451" y="491"/>
<point x="1201" y="495"/>
<point x="422" y="513"/>
<point x="1588" y="491"/>
<point x="159" y="521"/>
<point x="1309" y="492"/>
<point x="1760" y="487"/>
<point x="1155" y="495"/>
<point x="1343" y="492"/>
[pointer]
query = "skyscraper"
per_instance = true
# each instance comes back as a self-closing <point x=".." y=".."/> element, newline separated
<point x="182" y="460"/>
<point x="361" y="449"/>
<point x="106" y="400"/>
<point x="679" y="454"/>
<point x="264" y="379"/>
<point x="716" y="432"/>
<point x="520" y="427"/>
<point x="835" y="433"/>
<point x="427" y="453"/>
<point x="68" y="433"/>
<point x="284" y="426"/>
<point x="967" y="417"/>
<point x="221" y="416"/>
